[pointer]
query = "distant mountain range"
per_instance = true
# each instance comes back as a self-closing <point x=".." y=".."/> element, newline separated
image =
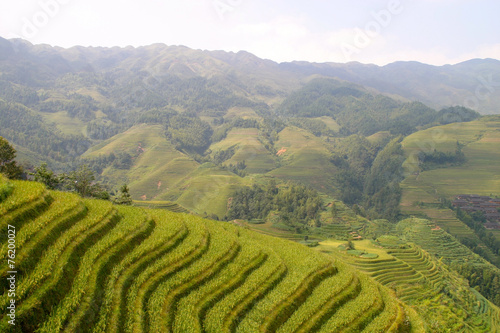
<point x="154" y="116"/>
<point x="474" y="83"/>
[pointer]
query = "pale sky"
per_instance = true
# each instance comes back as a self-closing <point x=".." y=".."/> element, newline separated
<point x="369" y="31"/>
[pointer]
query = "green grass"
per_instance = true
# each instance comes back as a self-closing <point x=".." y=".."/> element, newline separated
<point x="330" y="123"/>
<point x="379" y="136"/>
<point x="170" y="231"/>
<point x="161" y="173"/>
<point x="168" y="205"/>
<point x="241" y="112"/>
<point x="329" y="295"/>
<point x="422" y="190"/>
<point x="64" y="209"/>
<point x="269" y="229"/>
<point x="187" y="274"/>
<point x="22" y="194"/>
<point x="47" y="278"/>
<point x="357" y="313"/>
<point x="208" y="190"/>
<point x="94" y="266"/>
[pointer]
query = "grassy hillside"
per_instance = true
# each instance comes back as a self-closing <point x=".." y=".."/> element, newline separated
<point x="86" y="265"/>
<point x="156" y="165"/>
<point x="424" y="188"/>
<point x="248" y="148"/>
<point x="304" y="158"/>
<point x="159" y="172"/>
<point x="421" y="262"/>
<point x="479" y="174"/>
<point x="207" y="190"/>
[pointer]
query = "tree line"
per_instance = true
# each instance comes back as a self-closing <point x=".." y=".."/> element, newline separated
<point x="438" y="159"/>
<point x="295" y="206"/>
<point x="361" y="112"/>
<point x="24" y="127"/>
<point x="81" y="181"/>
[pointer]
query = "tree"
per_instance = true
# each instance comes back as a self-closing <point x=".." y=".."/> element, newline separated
<point x="43" y="175"/>
<point x="83" y="182"/>
<point x="124" y="198"/>
<point x="189" y="133"/>
<point x="8" y="166"/>
<point x="123" y="160"/>
<point x="357" y="210"/>
<point x="334" y="210"/>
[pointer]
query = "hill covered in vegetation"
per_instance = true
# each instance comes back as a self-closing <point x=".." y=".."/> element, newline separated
<point x="364" y="172"/>
<point x="192" y="127"/>
<point x="92" y="266"/>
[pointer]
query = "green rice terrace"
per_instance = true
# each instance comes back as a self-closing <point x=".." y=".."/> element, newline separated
<point x="83" y="265"/>
<point x="413" y="258"/>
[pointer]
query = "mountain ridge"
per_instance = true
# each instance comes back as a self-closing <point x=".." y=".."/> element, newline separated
<point x="437" y="86"/>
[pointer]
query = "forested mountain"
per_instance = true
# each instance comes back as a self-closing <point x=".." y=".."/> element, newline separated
<point x="472" y="83"/>
<point x="355" y="109"/>
<point x="117" y="109"/>
<point x="248" y="75"/>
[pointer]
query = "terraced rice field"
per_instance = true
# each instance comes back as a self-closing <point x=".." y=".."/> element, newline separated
<point x="404" y="269"/>
<point x="436" y="241"/>
<point x="168" y="205"/>
<point x="423" y="282"/>
<point x="444" y="217"/>
<point x="89" y="266"/>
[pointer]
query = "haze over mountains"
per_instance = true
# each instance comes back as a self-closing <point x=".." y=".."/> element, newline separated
<point x="361" y="162"/>
<point x="163" y="112"/>
<point x="472" y="83"/>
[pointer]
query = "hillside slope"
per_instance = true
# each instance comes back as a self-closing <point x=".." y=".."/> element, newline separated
<point x="80" y="105"/>
<point x="436" y="86"/>
<point x="422" y="189"/>
<point x="429" y="269"/>
<point x="171" y="272"/>
<point x="155" y="165"/>
<point x="442" y="297"/>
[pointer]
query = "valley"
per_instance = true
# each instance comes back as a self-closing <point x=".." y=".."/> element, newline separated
<point x="266" y="197"/>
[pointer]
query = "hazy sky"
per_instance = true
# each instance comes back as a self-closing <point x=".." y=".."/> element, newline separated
<point x="370" y="31"/>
